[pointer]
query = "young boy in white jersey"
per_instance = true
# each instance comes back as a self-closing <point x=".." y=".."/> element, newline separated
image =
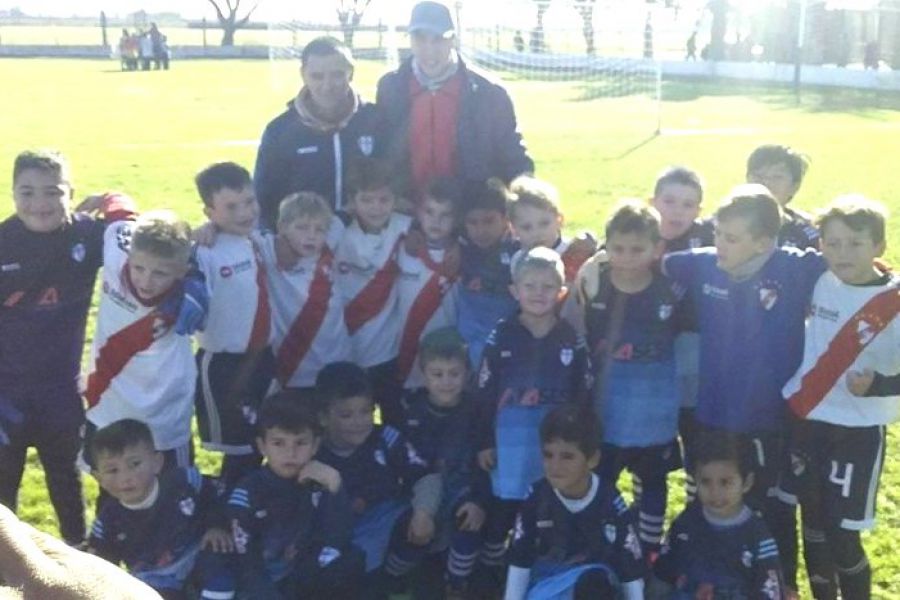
<point x="307" y="312"/>
<point x="837" y="438"/>
<point x="429" y="265"/>
<point x="140" y="368"/>
<point x="234" y="360"/>
<point x="366" y="260"/>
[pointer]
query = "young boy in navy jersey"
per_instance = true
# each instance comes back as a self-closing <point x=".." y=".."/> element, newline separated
<point x="381" y="471"/>
<point x="167" y="526"/>
<point x="234" y="362"/>
<point x="837" y="441"/>
<point x="718" y="547"/>
<point x="487" y="248"/>
<point x="439" y="421"/>
<point x="533" y="361"/>
<point x="631" y="324"/>
<point x="291" y="518"/>
<point x="573" y="537"/>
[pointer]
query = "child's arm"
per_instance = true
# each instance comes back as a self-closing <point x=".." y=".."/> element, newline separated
<point x="102" y="541"/>
<point x="869" y="383"/>
<point x="211" y="504"/>
<point x="333" y="525"/>
<point x="583" y="374"/>
<point x="109" y="206"/>
<point x="768" y="581"/>
<point x="522" y="550"/>
<point x="426" y="485"/>
<point x="245" y="530"/>
<point x="666" y="565"/>
<point x="629" y="563"/>
<point x="486" y="402"/>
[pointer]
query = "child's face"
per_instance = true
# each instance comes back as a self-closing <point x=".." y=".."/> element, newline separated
<point x="373" y="208"/>
<point x="536" y="227"/>
<point x="42" y="200"/>
<point x="721" y="488"/>
<point x="233" y="211"/>
<point x="485" y="228"/>
<point x="151" y="275"/>
<point x="778" y="179"/>
<point x="678" y="205"/>
<point x="328" y="80"/>
<point x="305" y="235"/>
<point x="567" y="468"/>
<point x="287" y="452"/>
<point x="349" y="422"/>
<point x="444" y="379"/>
<point x="436" y="219"/>
<point x="735" y="244"/>
<point x="632" y="253"/>
<point x="537" y="291"/>
<point x="128" y="476"/>
<point x="850" y="253"/>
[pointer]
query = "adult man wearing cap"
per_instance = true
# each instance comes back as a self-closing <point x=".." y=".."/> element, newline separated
<point x="325" y="127"/>
<point x="438" y="117"/>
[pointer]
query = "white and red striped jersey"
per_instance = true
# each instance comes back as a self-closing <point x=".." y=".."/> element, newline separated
<point x="140" y="368"/>
<point x="849" y="328"/>
<point x="366" y="277"/>
<point x="239" y="317"/>
<point x="426" y="298"/>
<point x="307" y="315"/>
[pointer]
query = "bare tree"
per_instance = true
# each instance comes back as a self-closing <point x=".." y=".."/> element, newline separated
<point x="536" y="42"/>
<point x="349" y="13"/>
<point x="719" y="10"/>
<point x="585" y="10"/>
<point x="227" y="14"/>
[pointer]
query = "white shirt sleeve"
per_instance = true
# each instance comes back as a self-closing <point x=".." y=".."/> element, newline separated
<point x="517" y="583"/>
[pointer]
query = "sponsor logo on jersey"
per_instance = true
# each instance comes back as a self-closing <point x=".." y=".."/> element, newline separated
<point x="566" y="355"/>
<point x="545" y="524"/>
<point x="10" y="267"/>
<point x="307" y="149"/>
<point x="715" y="292"/>
<point x="366" y="144"/>
<point x="78" y="252"/>
<point x="865" y="331"/>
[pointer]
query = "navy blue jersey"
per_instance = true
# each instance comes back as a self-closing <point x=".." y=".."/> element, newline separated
<point x="384" y="467"/>
<point x="698" y="235"/>
<point x="751" y="333"/>
<point x="598" y="531"/>
<point x="278" y="521"/>
<point x="736" y="560"/>
<point x="46" y="282"/>
<point x="445" y="439"/>
<point x="798" y="230"/>
<point x="518" y="369"/>
<point x="158" y="544"/>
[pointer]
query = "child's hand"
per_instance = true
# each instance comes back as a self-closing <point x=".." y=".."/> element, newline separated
<point x="859" y="382"/>
<point x="92" y="204"/>
<point x="487" y="459"/>
<point x="218" y="540"/>
<point x="204" y="235"/>
<point x="470" y="517"/>
<point x="451" y="262"/>
<point x="587" y="282"/>
<point x="421" y="528"/>
<point x="322" y="474"/>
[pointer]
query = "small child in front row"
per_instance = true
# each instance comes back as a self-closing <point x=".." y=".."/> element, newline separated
<point x="366" y="280"/>
<point x="717" y="547"/>
<point x="167" y="526"/>
<point x="291" y="518"/>
<point x="573" y="536"/>
<point x="439" y="421"/>
<point x="234" y="360"/>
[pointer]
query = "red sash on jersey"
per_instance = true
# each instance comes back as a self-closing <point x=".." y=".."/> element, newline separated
<point x="119" y="349"/>
<point x="420" y="313"/>
<point x="853" y="337"/>
<point x="371" y="299"/>
<point x="262" y="320"/>
<point x="306" y="325"/>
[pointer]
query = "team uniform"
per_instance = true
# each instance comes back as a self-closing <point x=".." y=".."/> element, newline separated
<point x="734" y="559"/>
<point x="484" y="296"/>
<point x="307" y="315"/>
<point x="234" y="361"/>
<point x="140" y="368"/>
<point x="558" y="541"/>
<point x="797" y="230"/>
<point x="159" y="542"/>
<point x="378" y="476"/>
<point x="292" y="540"/>
<point x="631" y="337"/>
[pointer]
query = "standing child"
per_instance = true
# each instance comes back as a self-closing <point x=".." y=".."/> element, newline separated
<point x="234" y="360"/>
<point x="573" y="537"/>
<point x="367" y="274"/>
<point x="718" y="547"/>
<point x="838" y="440"/>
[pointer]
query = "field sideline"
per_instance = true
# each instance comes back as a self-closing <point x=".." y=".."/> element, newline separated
<point x="149" y="133"/>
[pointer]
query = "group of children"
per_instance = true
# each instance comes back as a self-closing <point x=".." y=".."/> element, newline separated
<point x="516" y="372"/>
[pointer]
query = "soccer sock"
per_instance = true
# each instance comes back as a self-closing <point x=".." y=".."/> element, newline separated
<point x="819" y="566"/>
<point x="402" y="557"/>
<point x="461" y="557"/>
<point x="690" y="488"/>
<point x="594" y="585"/>
<point x="853" y="570"/>
<point x="652" y="513"/>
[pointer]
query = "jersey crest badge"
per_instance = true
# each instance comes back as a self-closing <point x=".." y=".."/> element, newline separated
<point x="665" y="311"/>
<point x="865" y="332"/>
<point x="566" y="355"/>
<point x="379" y="457"/>
<point x="484" y="374"/>
<point x="798" y="464"/>
<point x="315" y="498"/>
<point x="122" y="537"/>
<point x="747" y="558"/>
<point x="78" y="252"/>
<point x="366" y="144"/>
<point x="609" y="530"/>
<point x="187" y="506"/>
<point x="123" y="238"/>
<point x="768" y="297"/>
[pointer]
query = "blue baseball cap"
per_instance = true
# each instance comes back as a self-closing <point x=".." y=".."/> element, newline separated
<point x="431" y="17"/>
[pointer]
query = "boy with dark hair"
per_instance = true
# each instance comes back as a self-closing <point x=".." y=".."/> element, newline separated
<point x="159" y="522"/>
<point x="291" y="518"/>
<point x="631" y="325"/>
<point x="234" y="361"/>
<point x="573" y="537"/>
<point x="837" y="445"/>
<point x="718" y="547"/>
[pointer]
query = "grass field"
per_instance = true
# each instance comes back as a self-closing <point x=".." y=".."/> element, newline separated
<point x="149" y="133"/>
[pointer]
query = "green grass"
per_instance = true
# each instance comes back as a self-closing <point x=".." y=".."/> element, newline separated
<point x="149" y="133"/>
